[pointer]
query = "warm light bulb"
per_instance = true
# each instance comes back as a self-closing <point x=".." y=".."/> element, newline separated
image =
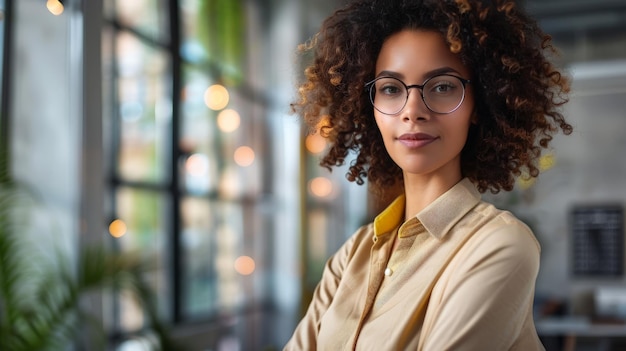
<point x="55" y="7"/>
<point x="216" y="97"/>
<point x="117" y="228"/>
<point x="228" y="120"/>
<point x="315" y="143"/>
<point x="244" y="156"/>
<point x="321" y="187"/>
<point x="197" y="165"/>
<point x="245" y="265"/>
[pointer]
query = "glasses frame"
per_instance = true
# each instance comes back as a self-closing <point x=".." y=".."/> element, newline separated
<point x="370" y="84"/>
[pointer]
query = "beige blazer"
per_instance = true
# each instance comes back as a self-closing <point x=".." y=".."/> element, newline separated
<point x="461" y="278"/>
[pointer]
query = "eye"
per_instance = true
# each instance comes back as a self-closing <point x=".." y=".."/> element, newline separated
<point x="442" y="87"/>
<point x="389" y="87"/>
<point x="389" y="90"/>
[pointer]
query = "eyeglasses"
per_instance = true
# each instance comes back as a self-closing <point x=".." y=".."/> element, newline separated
<point x="442" y="93"/>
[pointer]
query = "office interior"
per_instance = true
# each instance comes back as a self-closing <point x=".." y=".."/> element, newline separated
<point x="162" y="130"/>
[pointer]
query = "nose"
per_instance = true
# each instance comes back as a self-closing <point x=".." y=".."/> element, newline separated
<point x="415" y="108"/>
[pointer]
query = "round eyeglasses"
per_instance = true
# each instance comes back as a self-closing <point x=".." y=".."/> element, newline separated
<point x="442" y="93"/>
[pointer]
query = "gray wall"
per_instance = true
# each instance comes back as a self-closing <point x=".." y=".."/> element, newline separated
<point x="589" y="169"/>
<point x="45" y="126"/>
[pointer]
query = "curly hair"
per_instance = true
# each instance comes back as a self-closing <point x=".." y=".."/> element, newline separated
<point x="518" y="91"/>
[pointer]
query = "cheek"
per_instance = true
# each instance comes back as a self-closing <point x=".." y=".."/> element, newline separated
<point x="384" y="129"/>
<point x="380" y="123"/>
<point x="461" y="126"/>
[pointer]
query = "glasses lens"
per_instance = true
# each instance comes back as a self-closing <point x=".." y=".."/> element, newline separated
<point x="443" y="94"/>
<point x="388" y="95"/>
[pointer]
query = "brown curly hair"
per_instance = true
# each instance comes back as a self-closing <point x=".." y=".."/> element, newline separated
<point x="518" y="90"/>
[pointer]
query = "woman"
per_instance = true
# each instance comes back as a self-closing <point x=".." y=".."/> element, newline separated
<point x="446" y="99"/>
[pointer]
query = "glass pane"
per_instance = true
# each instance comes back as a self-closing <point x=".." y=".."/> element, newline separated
<point x="199" y="249"/>
<point x="192" y="49"/>
<point x="243" y="150"/>
<point x="223" y="138"/>
<point x="213" y="33"/>
<point x="223" y="256"/>
<point x="144" y="215"/>
<point x="199" y="135"/>
<point x="145" y="110"/>
<point x="316" y="244"/>
<point x="149" y="17"/>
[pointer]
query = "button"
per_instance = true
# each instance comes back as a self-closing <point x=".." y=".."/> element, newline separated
<point x="388" y="272"/>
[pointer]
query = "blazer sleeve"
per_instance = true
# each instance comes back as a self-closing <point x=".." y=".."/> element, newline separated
<point x="305" y="335"/>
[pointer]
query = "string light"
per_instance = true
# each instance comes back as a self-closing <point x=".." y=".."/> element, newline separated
<point x="117" y="228"/>
<point x="245" y="265"/>
<point x="244" y="156"/>
<point x="197" y="165"/>
<point x="55" y="7"/>
<point x="321" y="187"/>
<point x="228" y="120"/>
<point x="216" y="97"/>
<point x="315" y="143"/>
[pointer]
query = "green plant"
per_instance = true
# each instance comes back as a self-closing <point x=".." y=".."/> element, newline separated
<point x="42" y="298"/>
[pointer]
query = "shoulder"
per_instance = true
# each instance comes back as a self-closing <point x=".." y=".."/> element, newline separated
<point x="499" y="233"/>
<point x="496" y="223"/>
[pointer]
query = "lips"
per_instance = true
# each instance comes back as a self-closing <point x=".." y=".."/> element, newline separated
<point x="415" y="140"/>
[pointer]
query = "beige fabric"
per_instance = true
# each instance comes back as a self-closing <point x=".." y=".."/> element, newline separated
<point x="461" y="278"/>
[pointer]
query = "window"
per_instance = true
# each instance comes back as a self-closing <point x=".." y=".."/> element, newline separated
<point x="205" y="164"/>
<point x="188" y="163"/>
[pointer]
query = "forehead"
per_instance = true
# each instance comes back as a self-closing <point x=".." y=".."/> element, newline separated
<point x="415" y="53"/>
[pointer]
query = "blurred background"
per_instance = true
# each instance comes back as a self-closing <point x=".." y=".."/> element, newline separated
<point x="163" y="128"/>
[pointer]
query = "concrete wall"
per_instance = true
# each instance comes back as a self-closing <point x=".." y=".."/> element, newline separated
<point x="589" y="168"/>
<point x="45" y="128"/>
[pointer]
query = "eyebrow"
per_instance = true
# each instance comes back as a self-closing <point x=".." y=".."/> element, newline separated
<point x="434" y="72"/>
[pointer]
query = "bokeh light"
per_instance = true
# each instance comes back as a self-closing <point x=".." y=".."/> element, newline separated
<point x="197" y="165"/>
<point x="245" y="265"/>
<point x="117" y="228"/>
<point x="55" y="7"/>
<point x="315" y="143"/>
<point x="321" y="187"/>
<point x="547" y="161"/>
<point x="244" y="156"/>
<point x="228" y="120"/>
<point x="525" y="181"/>
<point x="229" y="183"/>
<point x="216" y="97"/>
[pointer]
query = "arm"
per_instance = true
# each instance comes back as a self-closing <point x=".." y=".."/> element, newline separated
<point x="484" y="299"/>
<point x="305" y="335"/>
